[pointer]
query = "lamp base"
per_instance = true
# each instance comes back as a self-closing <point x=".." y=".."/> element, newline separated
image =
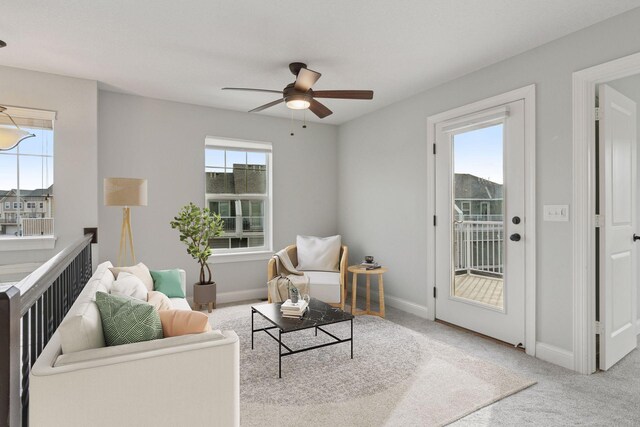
<point x="126" y="234"/>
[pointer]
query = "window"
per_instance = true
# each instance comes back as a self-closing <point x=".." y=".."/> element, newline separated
<point x="466" y="208"/>
<point x="485" y="208"/>
<point x="238" y="188"/>
<point x="26" y="175"/>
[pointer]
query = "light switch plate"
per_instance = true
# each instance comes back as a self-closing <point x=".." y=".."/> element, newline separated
<point x="556" y="213"/>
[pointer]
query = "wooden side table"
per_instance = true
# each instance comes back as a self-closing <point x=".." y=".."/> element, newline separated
<point x="358" y="269"/>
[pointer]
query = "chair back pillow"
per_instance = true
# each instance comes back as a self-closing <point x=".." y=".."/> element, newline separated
<point x="318" y="253"/>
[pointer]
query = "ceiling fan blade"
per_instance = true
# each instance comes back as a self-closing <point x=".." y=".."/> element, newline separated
<point x="305" y="79"/>
<point x="319" y="109"/>
<point x="265" y="106"/>
<point x="344" y="94"/>
<point x="251" y="89"/>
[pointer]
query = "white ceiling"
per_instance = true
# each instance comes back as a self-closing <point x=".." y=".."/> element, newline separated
<point x="187" y="50"/>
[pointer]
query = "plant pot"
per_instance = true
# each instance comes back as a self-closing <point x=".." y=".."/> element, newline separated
<point x="204" y="294"/>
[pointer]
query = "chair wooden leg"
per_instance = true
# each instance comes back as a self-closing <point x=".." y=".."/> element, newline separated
<point x="381" y="294"/>
<point x="210" y="307"/>
<point x="354" y="290"/>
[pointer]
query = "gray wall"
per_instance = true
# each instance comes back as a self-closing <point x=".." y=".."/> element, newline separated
<point x="382" y="167"/>
<point x="75" y="150"/>
<point x="630" y="87"/>
<point x="164" y="142"/>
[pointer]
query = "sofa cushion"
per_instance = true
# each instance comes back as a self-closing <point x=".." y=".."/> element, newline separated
<point x="168" y="282"/>
<point x="140" y="270"/>
<point x="81" y="328"/>
<point x="318" y="253"/>
<point x="324" y="285"/>
<point x="180" y="304"/>
<point x="159" y="301"/>
<point x="182" y="322"/>
<point x="129" y="285"/>
<point x="127" y="320"/>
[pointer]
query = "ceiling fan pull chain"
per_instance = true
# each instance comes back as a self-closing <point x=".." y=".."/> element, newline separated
<point x="291" y="126"/>
<point x="304" y="119"/>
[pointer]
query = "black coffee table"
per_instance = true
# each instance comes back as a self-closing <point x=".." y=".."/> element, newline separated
<point x="319" y="314"/>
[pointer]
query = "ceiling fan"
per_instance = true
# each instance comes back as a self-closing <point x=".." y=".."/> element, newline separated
<point x="299" y="95"/>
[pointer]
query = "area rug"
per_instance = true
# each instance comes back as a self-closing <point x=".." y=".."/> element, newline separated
<point x="397" y="377"/>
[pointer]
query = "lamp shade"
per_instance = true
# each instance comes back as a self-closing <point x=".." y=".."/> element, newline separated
<point x="125" y="192"/>
<point x="11" y="136"/>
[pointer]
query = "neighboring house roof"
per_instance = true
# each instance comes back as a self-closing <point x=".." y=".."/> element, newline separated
<point x="38" y="192"/>
<point x="473" y="187"/>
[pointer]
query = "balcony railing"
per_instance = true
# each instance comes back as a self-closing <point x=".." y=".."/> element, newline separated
<point x="478" y="247"/>
<point x="36" y="226"/>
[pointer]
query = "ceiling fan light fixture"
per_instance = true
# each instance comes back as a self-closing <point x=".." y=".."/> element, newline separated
<point x="298" y="102"/>
<point x="10" y="136"/>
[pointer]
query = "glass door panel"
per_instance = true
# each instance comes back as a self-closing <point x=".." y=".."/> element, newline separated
<point x="478" y="216"/>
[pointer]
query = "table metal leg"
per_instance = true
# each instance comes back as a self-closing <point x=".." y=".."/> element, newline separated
<point x="316" y="331"/>
<point x="252" y="311"/>
<point x="280" y="353"/>
<point x="352" y="338"/>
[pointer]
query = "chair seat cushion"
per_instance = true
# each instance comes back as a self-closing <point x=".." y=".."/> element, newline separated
<point x="324" y="285"/>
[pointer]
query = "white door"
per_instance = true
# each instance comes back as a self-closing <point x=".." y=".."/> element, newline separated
<point x="617" y="143"/>
<point x="480" y="252"/>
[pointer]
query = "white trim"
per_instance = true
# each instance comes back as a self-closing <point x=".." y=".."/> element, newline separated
<point x="265" y="147"/>
<point x="584" y="282"/>
<point x="556" y="355"/>
<point x="240" y="257"/>
<point x="27" y="243"/>
<point x="30" y="113"/>
<point x="527" y="94"/>
<point x="638" y="327"/>
<point x="236" y="296"/>
<point x="216" y="141"/>
<point x="404" y="305"/>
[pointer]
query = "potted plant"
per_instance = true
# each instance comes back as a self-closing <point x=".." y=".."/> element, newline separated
<point x="196" y="227"/>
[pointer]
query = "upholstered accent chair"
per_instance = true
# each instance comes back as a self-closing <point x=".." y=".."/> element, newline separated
<point x="327" y="286"/>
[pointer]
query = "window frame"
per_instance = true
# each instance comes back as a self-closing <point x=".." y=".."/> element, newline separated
<point x="21" y="242"/>
<point x="249" y="253"/>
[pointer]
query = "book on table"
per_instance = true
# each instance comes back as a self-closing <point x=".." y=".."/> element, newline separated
<point x="370" y="265"/>
<point x="294" y="308"/>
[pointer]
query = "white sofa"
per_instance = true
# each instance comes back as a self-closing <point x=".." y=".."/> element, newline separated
<point x="187" y="380"/>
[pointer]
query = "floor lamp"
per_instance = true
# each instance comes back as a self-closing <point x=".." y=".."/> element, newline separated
<point x="125" y="192"/>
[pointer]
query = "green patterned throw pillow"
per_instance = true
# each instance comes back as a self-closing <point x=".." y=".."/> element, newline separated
<point x="127" y="320"/>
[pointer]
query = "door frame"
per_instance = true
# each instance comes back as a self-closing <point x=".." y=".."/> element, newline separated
<point x="584" y="208"/>
<point x="528" y="94"/>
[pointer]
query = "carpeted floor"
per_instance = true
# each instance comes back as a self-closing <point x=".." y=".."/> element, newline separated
<point x="397" y="377"/>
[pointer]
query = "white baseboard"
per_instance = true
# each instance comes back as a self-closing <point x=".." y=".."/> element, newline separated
<point x="556" y="355"/>
<point x="404" y="305"/>
<point x="235" y="296"/>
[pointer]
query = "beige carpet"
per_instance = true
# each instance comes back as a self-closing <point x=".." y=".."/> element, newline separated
<point x="397" y="377"/>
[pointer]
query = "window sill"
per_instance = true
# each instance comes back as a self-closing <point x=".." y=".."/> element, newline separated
<point x="29" y="243"/>
<point x="240" y="257"/>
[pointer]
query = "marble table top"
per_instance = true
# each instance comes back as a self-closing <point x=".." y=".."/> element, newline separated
<point x="318" y="314"/>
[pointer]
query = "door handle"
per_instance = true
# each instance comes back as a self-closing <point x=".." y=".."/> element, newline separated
<point x="635" y="237"/>
<point x="515" y="237"/>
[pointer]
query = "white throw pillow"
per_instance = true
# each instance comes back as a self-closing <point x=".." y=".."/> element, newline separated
<point x="130" y="286"/>
<point x="318" y="253"/>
